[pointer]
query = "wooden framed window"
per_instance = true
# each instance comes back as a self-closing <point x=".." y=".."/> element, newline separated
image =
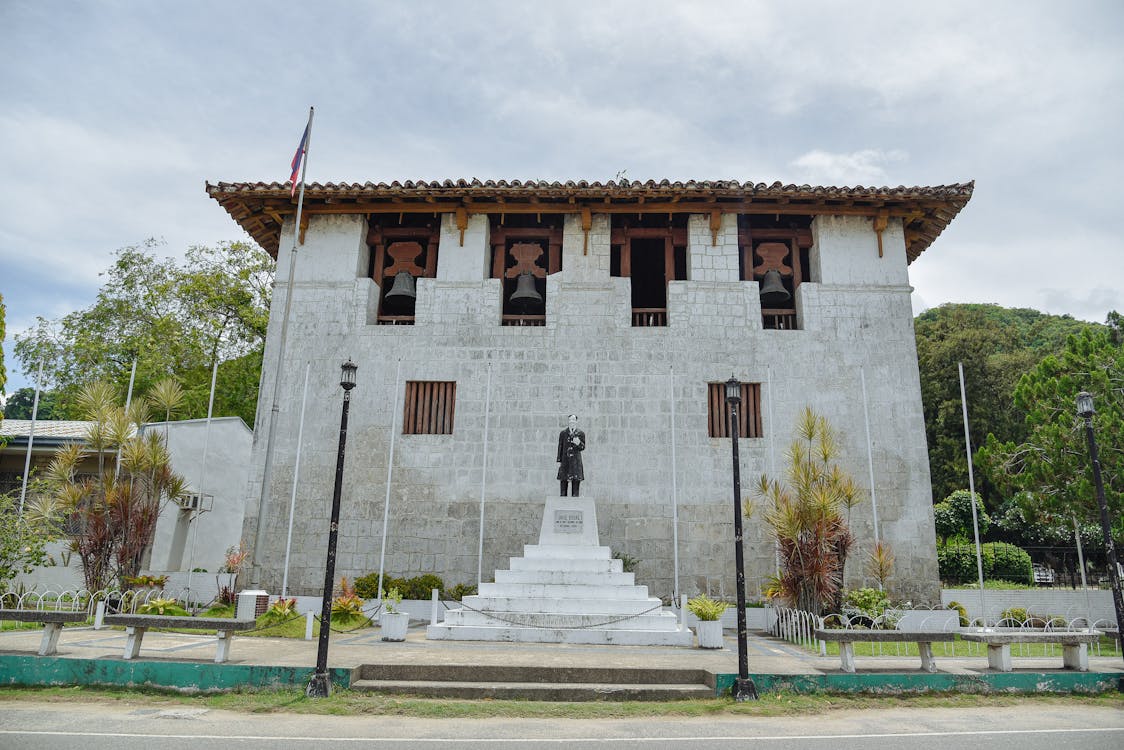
<point x="429" y="407"/>
<point x="651" y="250"/>
<point x="749" y="411"/>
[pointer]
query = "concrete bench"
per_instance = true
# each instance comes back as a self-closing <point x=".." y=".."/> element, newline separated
<point x="52" y="620"/>
<point x="923" y="638"/>
<point x="136" y="625"/>
<point x="1074" y="643"/>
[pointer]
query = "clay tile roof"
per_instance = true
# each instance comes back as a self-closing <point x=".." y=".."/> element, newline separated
<point x="261" y="207"/>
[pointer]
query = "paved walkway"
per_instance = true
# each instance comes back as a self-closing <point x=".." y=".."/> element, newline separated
<point x="348" y="650"/>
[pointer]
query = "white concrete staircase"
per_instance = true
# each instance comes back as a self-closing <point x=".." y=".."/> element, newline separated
<point x="565" y="589"/>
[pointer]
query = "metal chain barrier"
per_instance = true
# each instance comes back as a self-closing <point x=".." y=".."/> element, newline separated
<point x="494" y="616"/>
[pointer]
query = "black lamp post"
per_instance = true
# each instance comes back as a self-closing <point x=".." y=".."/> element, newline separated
<point x="744" y="689"/>
<point x="1086" y="411"/>
<point x="320" y="686"/>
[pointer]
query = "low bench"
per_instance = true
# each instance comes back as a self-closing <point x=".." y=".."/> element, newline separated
<point x="52" y="620"/>
<point x="1074" y="643"/>
<point x="923" y="638"/>
<point x="136" y="625"/>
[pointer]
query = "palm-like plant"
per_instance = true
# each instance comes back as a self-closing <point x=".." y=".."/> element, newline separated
<point x="806" y="514"/>
<point x="113" y="512"/>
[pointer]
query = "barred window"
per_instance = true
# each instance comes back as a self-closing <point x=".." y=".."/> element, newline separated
<point x="749" y="411"/>
<point x="429" y="407"/>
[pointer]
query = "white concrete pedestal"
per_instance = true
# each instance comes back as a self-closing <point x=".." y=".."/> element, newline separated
<point x="565" y="589"/>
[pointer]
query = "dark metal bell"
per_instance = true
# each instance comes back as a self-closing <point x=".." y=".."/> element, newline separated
<point x="403" y="287"/>
<point x="773" y="293"/>
<point x="525" y="295"/>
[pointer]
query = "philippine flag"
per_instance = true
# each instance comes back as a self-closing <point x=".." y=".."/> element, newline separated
<point x="302" y="149"/>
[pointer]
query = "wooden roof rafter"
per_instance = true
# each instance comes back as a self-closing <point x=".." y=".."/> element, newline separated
<point x="261" y="208"/>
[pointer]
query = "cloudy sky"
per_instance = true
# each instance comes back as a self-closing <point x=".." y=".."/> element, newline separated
<point x="116" y="113"/>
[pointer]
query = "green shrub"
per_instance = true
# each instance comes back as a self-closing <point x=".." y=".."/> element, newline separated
<point x="460" y="591"/>
<point x="705" y="608"/>
<point x="864" y="606"/>
<point x="957" y="563"/>
<point x="1016" y="615"/>
<point x="160" y="606"/>
<point x="368" y="586"/>
<point x="418" y="587"/>
<point x="963" y="613"/>
<point x="421" y="587"/>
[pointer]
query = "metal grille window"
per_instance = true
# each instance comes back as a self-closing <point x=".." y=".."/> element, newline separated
<point x="429" y="407"/>
<point x="749" y="411"/>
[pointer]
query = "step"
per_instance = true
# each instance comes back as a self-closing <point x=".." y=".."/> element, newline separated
<point x="565" y="577"/>
<point x="514" y="634"/>
<point x="562" y="606"/>
<point x="574" y="563"/>
<point x="562" y="591"/>
<point x="536" y="691"/>
<point x="553" y="620"/>
<point x="566" y="551"/>
<point x="527" y="673"/>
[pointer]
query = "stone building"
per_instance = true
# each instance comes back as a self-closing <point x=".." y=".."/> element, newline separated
<point x="481" y="314"/>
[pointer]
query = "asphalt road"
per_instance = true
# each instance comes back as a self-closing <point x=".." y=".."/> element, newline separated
<point x="112" y="726"/>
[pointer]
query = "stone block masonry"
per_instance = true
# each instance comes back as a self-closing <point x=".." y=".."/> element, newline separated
<point x="623" y="382"/>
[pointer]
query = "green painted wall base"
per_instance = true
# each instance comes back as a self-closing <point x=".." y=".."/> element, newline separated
<point x="188" y="677"/>
<point x="989" y="682"/>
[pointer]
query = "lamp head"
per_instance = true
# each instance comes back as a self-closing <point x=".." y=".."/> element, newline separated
<point x="1085" y="405"/>
<point x="347" y="374"/>
<point x="733" y="391"/>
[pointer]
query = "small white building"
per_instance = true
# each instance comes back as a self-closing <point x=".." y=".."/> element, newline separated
<point x="480" y="314"/>
<point x="194" y="532"/>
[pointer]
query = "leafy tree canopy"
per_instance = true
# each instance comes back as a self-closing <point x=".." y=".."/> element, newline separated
<point x="1050" y="466"/>
<point x="953" y="517"/>
<point x="174" y="318"/>
<point x="997" y="345"/>
<point x="21" y="403"/>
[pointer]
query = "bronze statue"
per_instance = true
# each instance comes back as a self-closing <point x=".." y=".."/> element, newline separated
<point x="571" y="443"/>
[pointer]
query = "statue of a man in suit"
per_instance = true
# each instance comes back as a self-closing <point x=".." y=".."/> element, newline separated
<point x="571" y="443"/>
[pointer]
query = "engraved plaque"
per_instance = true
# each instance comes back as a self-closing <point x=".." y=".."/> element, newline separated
<point x="567" y="522"/>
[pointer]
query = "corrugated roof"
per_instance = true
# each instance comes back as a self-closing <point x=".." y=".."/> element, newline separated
<point x="45" y="428"/>
<point x="260" y="207"/>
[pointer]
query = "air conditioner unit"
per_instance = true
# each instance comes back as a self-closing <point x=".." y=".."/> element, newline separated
<point x="194" y="501"/>
<point x="189" y="502"/>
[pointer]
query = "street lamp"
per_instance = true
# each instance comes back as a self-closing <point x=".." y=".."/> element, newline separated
<point x="1085" y="411"/>
<point x="320" y="686"/>
<point x="744" y="689"/>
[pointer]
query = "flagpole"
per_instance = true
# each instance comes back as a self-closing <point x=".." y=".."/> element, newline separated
<point x="266" y="483"/>
<point x="31" y="436"/>
<point x="296" y="481"/>
<point x="202" y="481"/>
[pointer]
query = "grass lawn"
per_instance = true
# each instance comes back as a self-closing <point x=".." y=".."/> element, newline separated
<point x="349" y="703"/>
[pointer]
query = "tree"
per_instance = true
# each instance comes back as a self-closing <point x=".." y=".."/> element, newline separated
<point x="113" y="512"/>
<point x="21" y="403"/>
<point x="953" y="518"/>
<point x="997" y="346"/>
<point x="173" y="319"/>
<point x="21" y="542"/>
<point x="1050" y="468"/>
<point x="807" y="517"/>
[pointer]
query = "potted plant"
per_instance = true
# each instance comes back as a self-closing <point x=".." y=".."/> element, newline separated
<point x="709" y="612"/>
<point x="393" y="623"/>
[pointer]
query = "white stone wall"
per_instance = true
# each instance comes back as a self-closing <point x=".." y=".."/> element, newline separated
<point x="623" y="382"/>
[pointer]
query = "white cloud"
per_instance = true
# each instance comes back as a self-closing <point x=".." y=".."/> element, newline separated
<point x="864" y="167"/>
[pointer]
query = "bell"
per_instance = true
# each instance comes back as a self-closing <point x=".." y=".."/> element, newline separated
<point x="525" y="295"/>
<point x="403" y="287"/>
<point x="773" y="293"/>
